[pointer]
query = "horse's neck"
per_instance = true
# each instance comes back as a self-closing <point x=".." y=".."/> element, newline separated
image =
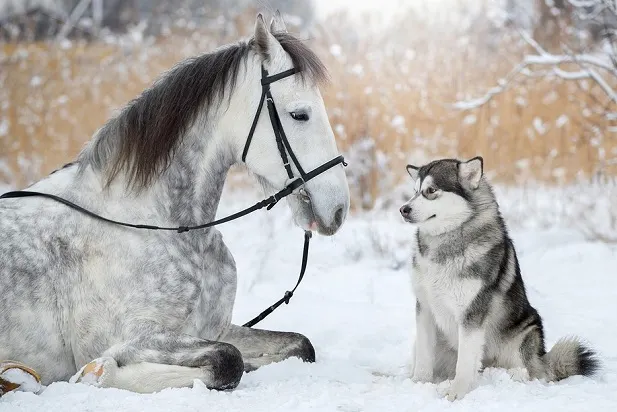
<point x="188" y="192"/>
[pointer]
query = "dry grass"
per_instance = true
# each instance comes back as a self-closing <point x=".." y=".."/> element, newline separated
<point x="392" y="97"/>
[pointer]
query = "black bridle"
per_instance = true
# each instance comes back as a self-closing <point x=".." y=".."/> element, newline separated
<point x="284" y="149"/>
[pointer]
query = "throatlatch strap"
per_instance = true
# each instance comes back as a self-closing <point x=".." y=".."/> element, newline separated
<point x="289" y="294"/>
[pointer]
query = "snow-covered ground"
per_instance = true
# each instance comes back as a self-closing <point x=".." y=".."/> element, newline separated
<point x="356" y="306"/>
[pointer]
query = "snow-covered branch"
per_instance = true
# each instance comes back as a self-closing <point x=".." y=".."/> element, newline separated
<point x="586" y="3"/>
<point x="588" y="63"/>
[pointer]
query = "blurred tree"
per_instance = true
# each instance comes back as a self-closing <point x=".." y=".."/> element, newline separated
<point x="41" y="19"/>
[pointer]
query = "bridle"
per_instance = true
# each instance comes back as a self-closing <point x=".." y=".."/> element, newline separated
<point x="282" y="143"/>
<point x="284" y="149"/>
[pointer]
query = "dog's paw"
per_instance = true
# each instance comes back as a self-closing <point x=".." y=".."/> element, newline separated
<point x="420" y="376"/>
<point x="457" y="390"/>
<point x="518" y="374"/>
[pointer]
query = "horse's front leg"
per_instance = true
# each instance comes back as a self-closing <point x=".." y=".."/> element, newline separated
<point x="260" y="347"/>
<point x="154" y="362"/>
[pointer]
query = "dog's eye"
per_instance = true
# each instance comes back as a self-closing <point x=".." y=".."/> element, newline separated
<point x="431" y="190"/>
<point x="299" y="116"/>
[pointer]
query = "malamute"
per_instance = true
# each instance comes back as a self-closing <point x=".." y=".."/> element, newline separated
<point x="471" y="307"/>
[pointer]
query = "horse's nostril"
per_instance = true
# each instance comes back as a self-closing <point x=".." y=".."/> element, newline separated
<point x="338" y="217"/>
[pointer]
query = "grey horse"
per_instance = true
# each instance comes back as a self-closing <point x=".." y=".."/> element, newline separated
<point x="87" y="301"/>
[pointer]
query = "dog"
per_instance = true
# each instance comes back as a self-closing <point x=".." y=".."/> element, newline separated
<point x="472" y="310"/>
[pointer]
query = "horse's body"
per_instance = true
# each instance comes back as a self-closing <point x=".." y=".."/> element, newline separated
<point x="154" y="308"/>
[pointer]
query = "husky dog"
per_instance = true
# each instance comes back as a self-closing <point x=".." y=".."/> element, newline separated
<point x="471" y="307"/>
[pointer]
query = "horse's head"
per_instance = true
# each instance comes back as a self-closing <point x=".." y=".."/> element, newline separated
<point x="323" y="202"/>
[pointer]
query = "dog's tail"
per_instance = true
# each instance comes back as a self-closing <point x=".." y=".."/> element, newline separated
<point x="570" y="357"/>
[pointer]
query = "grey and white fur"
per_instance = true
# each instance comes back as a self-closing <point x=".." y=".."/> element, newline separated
<point x="472" y="310"/>
<point x="84" y="300"/>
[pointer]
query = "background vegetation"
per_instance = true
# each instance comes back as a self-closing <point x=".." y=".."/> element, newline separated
<point x="527" y="84"/>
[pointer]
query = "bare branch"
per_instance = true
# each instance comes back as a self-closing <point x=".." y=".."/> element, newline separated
<point x="78" y="11"/>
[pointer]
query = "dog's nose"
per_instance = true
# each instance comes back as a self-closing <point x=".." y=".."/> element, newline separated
<point x="405" y="210"/>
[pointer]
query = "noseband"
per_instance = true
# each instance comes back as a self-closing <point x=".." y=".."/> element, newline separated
<point x="284" y="148"/>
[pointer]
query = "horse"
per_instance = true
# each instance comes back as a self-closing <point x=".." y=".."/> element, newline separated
<point x="87" y="301"/>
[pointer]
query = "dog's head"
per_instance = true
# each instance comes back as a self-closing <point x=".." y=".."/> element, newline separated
<point x="444" y="192"/>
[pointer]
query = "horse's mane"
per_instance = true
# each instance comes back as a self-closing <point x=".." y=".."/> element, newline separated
<point x="141" y="140"/>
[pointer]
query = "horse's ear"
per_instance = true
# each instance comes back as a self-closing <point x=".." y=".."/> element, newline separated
<point x="277" y="25"/>
<point x="267" y="46"/>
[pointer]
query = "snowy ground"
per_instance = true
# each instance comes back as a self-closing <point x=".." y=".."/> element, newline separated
<point x="356" y="306"/>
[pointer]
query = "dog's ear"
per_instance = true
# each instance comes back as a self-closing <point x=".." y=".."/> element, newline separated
<point x="413" y="171"/>
<point x="471" y="171"/>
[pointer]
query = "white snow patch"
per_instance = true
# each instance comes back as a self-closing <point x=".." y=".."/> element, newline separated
<point x="339" y="129"/>
<point x="539" y="125"/>
<point x="357" y="69"/>
<point x="36" y="81"/>
<point x="470" y="119"/>
<point x="336" y="50"/>
<point x="398" y="122"/>
<point x="561" y="121"/>
<point x="4" y="127"/>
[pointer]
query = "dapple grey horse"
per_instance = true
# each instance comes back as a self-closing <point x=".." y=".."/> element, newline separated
<point x="87" y="301"/>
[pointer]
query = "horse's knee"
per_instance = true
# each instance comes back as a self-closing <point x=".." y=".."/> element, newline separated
<point x="302" y="348"/>
<point x="226" y="367"/>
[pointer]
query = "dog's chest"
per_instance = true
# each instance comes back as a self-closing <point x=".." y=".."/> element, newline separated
<point x="443" y="290"/>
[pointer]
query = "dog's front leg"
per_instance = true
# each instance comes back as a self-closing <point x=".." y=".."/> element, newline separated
<point x="470" y="351"/>
<point x="426" y="339"/>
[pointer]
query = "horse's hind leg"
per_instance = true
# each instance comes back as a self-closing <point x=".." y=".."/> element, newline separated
<point x="17" y="376"/>
<point x="260" y="347"/>
<point x="155" y="362"/>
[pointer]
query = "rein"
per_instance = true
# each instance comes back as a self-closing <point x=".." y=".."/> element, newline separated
<point x="284" y="148"/>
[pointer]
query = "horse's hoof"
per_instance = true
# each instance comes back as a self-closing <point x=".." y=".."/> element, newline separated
<point x="304" y="349"/>
<point x="17" y="376"/>
<point x="226" y="369"/>
<point x="96" y="373"/>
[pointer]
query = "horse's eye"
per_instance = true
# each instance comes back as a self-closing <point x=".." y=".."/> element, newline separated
<point x="299" y="116"/>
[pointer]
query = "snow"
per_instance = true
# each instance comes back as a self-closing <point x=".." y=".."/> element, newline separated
<point x="398" y="121"/>
<point x="561" y="120"/>
<point x="470" y="119"/>
<point x="356" y="306"/>
<point x="336" y="50"/>
<point x="4" y="127"/>
<point x="26" y="381"/>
